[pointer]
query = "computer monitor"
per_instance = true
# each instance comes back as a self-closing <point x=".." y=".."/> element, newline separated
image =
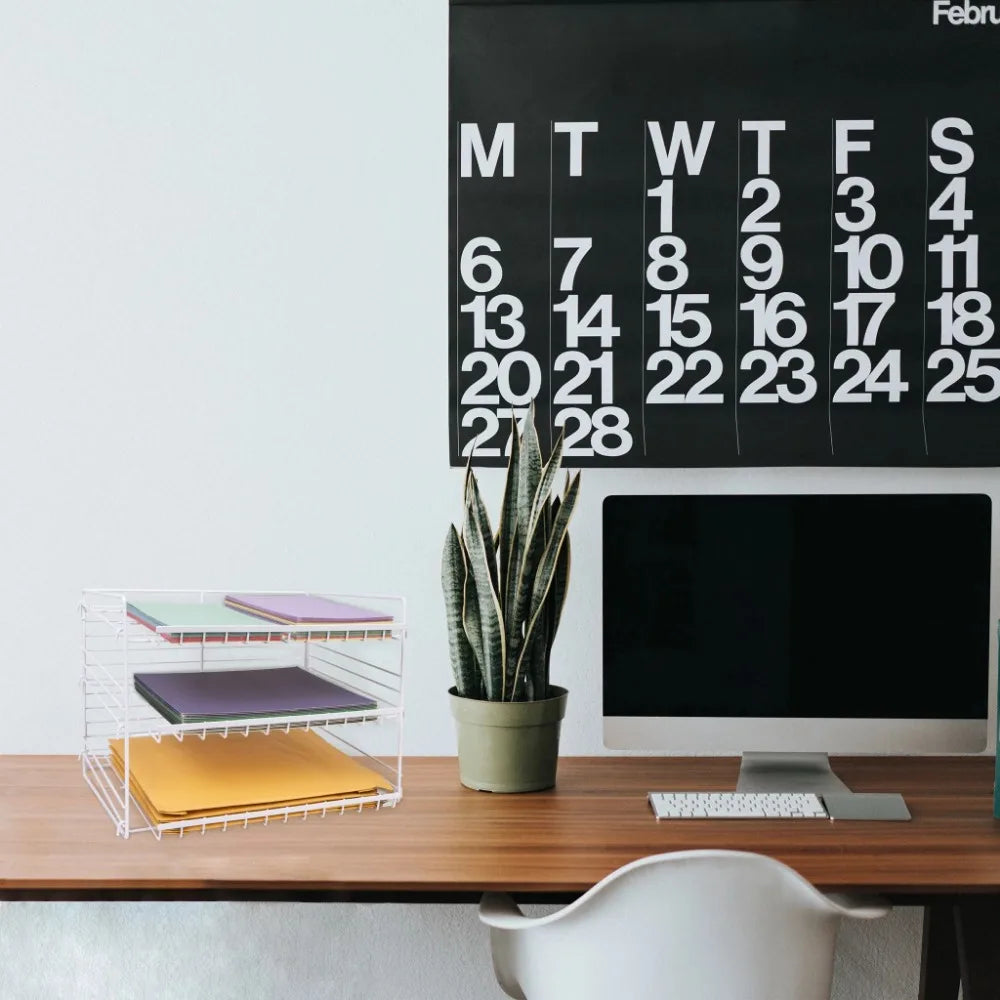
<point x="842" y="623"/>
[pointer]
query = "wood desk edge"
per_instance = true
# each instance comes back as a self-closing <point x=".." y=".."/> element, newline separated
<point x="447" y="843"/>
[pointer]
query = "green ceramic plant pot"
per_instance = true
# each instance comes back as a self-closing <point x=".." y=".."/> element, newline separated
<point x="508" y="746"/>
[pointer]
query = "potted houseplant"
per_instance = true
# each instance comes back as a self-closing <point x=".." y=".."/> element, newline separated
<point x="504" y="592"/>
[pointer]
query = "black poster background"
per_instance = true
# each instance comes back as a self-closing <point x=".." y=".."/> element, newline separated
<point x="807" y="62"/>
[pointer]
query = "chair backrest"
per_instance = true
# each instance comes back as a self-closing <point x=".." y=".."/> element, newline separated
<point x="692" y="925"/>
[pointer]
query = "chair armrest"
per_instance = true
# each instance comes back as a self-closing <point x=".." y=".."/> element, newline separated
<point x="497" y="909"/>
<point x="860" y="907"/>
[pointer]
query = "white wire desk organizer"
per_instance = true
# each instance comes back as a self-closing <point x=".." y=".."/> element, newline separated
<point x="365" y="658"/>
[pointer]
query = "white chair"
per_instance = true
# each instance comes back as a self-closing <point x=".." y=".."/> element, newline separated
<point x="692" y="925"/>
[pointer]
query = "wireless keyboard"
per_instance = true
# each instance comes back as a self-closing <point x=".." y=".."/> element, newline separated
<point x="737" y="805"/>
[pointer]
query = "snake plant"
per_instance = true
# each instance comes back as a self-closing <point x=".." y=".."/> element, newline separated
<point x="504" y="590"/>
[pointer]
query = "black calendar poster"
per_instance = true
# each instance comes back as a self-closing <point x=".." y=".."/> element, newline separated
<point x="726" y="232"/>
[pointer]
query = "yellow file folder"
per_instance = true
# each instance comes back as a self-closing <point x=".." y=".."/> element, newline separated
<point x="194" y="778"/>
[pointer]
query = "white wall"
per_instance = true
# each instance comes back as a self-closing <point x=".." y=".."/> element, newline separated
<point x="223" y="233"/>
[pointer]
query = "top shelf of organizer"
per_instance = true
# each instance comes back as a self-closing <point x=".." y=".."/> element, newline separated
<point x="237" y="617"/>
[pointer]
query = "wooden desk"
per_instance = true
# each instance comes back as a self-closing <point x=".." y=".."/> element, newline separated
<point x="446" y="843"/>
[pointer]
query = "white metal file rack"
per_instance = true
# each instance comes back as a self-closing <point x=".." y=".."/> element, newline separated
<point x="367" y="659"/>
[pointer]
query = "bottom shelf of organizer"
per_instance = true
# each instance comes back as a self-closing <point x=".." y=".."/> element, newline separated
<point x="217" y="780"/>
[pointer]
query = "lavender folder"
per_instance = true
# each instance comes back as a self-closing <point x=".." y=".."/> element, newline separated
<point x="215" y="695"/>
<point x="294" y="609"/>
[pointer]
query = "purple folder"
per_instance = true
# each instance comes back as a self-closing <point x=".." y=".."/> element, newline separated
<point x="213" y="695"/>
<point x="293" y="609"/>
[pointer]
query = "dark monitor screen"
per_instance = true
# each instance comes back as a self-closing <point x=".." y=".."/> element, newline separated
<point x="804" y="606"/>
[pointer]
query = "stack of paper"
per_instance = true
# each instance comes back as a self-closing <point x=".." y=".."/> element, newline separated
<point x="189" y="621"/>
<point x="176" y="780"/>
<point x="217" y="695"/>
<point x="304" y="609"/>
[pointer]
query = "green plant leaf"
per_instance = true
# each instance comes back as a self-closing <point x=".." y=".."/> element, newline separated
<point x="519" y="491"/>
<point x="479" y="545"/>
<point x="534" y="677"/>
<point x="454" y="572"/>
<point x="536" y="685"/>
<point x="474" y="633"/>
<point x="528" y="554"/>
<point x="560" y="584"/>
<point x="507" y="528"/>
<point x="529" y="468"/>
<point x="540" y="501"/>
<point x="511" y="621"/>
<point x="546" y="569"/>
<point x="482" y="518"/>
<point x="554" y="605"/>
<point x="467" y="479"/>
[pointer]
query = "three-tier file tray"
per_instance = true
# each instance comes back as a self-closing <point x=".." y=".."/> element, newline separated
<point x="365" y="658"/>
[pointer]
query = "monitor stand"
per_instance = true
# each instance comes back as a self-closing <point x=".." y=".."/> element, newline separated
<point x="787" y="772"/>
<point x="811" y="772"/>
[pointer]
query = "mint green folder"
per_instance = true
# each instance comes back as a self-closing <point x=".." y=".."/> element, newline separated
<point x="192" y="620"/>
